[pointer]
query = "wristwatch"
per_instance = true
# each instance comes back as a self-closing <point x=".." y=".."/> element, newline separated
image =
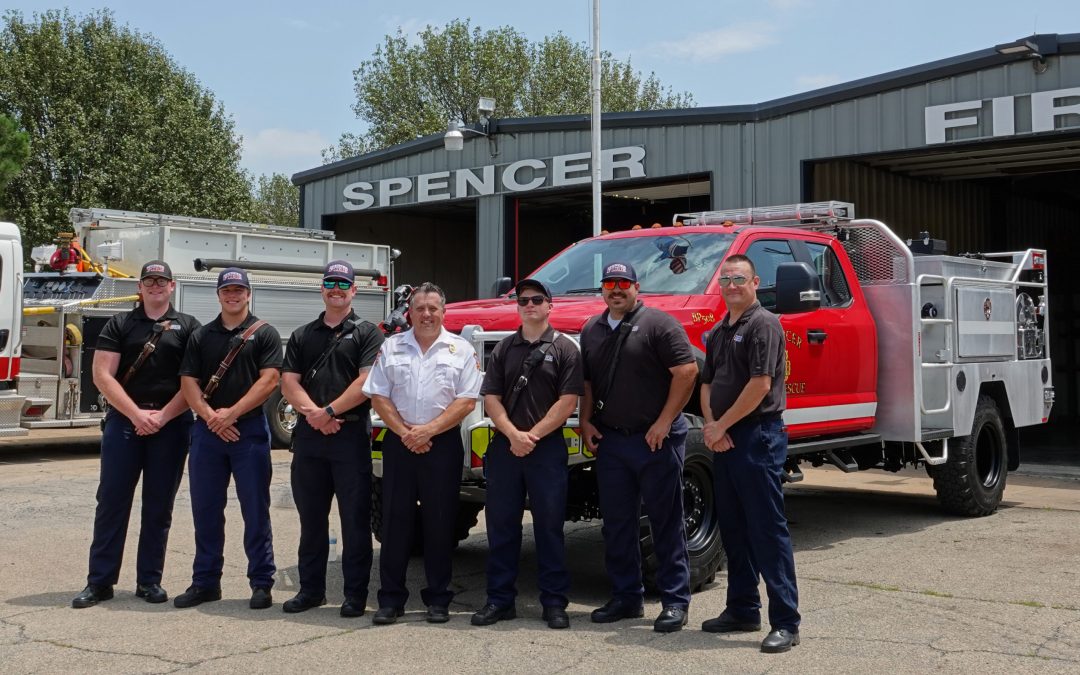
<point x="329" y="410"/>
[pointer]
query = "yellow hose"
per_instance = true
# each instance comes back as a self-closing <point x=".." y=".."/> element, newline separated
<point x="97" y="268"/>
<point x="33" y="311"/>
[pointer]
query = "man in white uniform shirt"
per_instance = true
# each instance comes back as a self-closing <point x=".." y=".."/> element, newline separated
<point x="424" y="382"/>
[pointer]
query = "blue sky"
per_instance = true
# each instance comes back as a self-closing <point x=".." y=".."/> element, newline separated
<point x="283" y="70"/>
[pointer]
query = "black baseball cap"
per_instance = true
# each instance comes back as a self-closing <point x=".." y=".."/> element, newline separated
<point x="339" y="270"/>
<point x="619" y="270"/>
<point x="233" y="276"/>
<point x="535" y="284"/>
<point x="156" y="268"/>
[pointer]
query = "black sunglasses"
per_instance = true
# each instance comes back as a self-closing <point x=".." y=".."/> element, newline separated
<point x="343" y="285"/>
<point x="534" y="299"/>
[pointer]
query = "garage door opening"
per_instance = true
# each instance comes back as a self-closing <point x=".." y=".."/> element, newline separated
<point x="539" y="226"/>
<point x="985" y="197"/>
<point x="437" y="243"/>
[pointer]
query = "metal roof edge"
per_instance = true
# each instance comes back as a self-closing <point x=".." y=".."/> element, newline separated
<point x="1050" y="43"/>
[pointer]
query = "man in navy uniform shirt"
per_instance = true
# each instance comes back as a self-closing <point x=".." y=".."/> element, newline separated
<point x="231" y="439"/>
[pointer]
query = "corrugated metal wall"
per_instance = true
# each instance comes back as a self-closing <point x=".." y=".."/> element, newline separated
<point x="956" y="211"/>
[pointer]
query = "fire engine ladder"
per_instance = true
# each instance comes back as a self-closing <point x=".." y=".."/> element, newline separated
<point x="945" y="362"/>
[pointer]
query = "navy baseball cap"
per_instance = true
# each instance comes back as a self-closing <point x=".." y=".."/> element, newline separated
<point x="156" y="268"/>
<point x="534" y="284"/>
<point x="233" y="276"/>
<point x="339" y="270"/>
<point x="619" y="270"/>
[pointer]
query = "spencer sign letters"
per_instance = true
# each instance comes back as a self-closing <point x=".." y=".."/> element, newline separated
<point x="1046" y="107"/>
<point x="520" y="176"/>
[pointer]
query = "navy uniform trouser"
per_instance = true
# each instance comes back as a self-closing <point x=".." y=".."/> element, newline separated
<point x="753" y="526"/>
<point x="432" y="478"/>
<point x="630" y="475"/>
<point x="322" y="467"/>
<point x="125" y="455"/>
<point x="211" y="464"/>
<point x="542" y="474"/>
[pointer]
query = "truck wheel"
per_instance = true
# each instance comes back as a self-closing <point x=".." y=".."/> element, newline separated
<point x="699" y="515"/>
<point x="282" y="419"/>
<point x="972" y="481"/>
<point x="467" y="518"/>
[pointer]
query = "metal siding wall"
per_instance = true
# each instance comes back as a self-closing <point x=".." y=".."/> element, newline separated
<point x="954" y="211"/>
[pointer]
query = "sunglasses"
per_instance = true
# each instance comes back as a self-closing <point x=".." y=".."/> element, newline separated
<point x="739" y="280"/>
<point x="150" y="282"/>
<point x="343" y="285"/>
<point x="534" y="299"/>
<point x="622" y="284"/>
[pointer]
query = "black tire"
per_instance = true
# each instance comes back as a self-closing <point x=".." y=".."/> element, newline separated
<point x="699" y="514"/>
<point x="972" y="481"/>
<point x="282" y="419"/>
<point x="466" y="518"/>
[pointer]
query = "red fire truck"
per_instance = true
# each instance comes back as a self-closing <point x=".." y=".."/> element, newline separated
<point x="897" y="354"/>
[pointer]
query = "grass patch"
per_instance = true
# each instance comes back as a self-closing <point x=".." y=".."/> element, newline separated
<point x="936" y="594"/>
<point x="1027" y="603"/>
<point x="873" y="586"/>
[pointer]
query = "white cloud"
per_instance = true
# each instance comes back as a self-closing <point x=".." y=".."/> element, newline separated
<point x="282" y="150"/>
<point x="806" y="82"/>
<point x="712" y="45"/>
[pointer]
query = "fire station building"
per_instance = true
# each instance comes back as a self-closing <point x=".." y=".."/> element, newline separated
<point x="981" y="150"/>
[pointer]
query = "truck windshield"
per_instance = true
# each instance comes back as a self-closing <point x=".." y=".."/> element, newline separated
<point x="669" y="264"/>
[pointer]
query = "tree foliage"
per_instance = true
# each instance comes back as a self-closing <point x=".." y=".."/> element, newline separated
<point x="113" y="122"/>
<point x="14" y="150"/>
<point x="276" y="201"/>
<point x="410" y="89"/>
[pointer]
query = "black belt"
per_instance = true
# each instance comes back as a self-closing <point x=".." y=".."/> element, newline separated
<point x="622" y="430"/>
<point x="150" y="406"/>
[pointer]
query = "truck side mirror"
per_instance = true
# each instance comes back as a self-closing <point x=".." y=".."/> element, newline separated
<point x="502" y="286"/>
<point x="798" y="288"/>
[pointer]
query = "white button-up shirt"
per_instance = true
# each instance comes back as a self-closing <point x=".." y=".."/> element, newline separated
<point x="421" y="386"/>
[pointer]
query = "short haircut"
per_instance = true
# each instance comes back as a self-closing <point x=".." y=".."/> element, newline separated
<point x="739" y="257"/>
<point x="428" y="287"/>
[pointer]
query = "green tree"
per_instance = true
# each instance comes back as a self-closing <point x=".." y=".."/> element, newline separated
<point x="408" y="89"/>
<point x="14" y="150"/>
<point x="275" y="200"/>
<point x="113" y="122"/>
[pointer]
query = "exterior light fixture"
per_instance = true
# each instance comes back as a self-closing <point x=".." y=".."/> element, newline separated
<point x="454" y="138"/>
<point x="1025" y="48"/>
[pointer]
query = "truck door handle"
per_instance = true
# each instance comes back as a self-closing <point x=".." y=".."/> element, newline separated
<point x="816" y="336"/>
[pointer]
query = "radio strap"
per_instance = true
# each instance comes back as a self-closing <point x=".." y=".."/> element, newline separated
<point x="223" y="368"/>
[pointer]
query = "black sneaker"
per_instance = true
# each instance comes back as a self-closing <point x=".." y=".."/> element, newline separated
<point x="196" y="595"/>
<point x="261" y="598"/>
<point x="92" y="595"/>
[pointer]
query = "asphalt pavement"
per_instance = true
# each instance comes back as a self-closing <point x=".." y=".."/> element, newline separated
<point x="888" y="583"/>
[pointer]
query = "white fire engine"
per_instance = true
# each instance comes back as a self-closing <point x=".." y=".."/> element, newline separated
<point x="50" y="319"/>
